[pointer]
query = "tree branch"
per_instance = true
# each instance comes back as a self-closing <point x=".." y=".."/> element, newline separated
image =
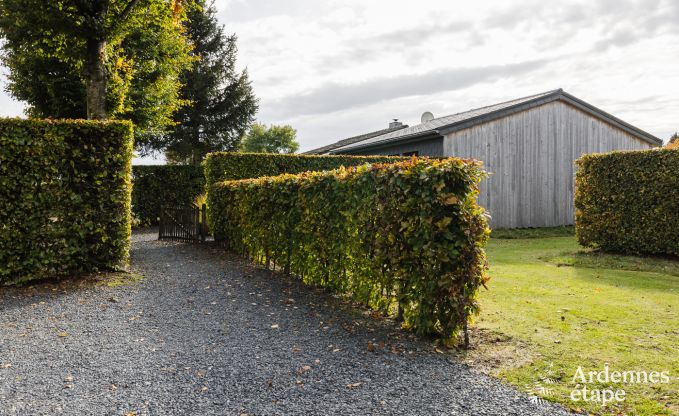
<point x="128" y="10"/>
<point x="122" y="17"/>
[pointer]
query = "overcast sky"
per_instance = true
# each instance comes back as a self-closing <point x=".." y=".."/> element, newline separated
<point x="338" y="68"/>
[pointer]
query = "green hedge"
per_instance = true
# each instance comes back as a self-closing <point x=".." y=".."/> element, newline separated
<point x="409" y="233"/>
<point x="629" y="201"/>
<point x="64" y="197"/>
<point x="225" y="166"/>
<point x="155" y="186"/>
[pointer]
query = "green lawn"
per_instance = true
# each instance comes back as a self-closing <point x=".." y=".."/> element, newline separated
<point x="561" y="308"/>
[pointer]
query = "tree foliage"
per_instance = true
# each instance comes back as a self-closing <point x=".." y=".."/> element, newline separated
<point x="63" y="55"/>
<point x="674" y="142"/>
<point x="273" y="139"/>
<point x="222" y="104"/>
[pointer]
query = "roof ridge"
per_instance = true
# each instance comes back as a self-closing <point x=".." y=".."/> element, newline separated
<point x="528" y="97"/>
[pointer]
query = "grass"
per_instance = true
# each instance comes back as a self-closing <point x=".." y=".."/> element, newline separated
<point x="552" y="308"/>
<point x="523" y="233"/>
<point x="109" y="279"/>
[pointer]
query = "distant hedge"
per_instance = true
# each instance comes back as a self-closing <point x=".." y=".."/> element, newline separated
<point x="409" y="233"/>
<point x="155" y="186"/>
<point x="64" y="197"/>
<point x="629" y="201"/>
<point x="223" y="166"/>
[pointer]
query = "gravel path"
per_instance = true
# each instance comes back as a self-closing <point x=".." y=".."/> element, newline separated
<point x="205" y="334"/>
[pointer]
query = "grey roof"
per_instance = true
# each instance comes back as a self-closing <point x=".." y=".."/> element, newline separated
<point x="351" y="140"/>
<point x="444" y="125"/>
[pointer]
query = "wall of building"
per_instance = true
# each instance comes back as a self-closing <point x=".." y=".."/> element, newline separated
<point x="530" y="156"/>
<point x="431" y="147"/>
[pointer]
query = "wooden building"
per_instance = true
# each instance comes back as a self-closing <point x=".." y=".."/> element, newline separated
<point x="528" y="145"/>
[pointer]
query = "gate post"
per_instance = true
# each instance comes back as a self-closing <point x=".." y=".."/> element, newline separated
<point x="203" y="223"/>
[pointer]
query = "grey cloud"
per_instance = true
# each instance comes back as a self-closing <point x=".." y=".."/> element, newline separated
<point x="403" y="41"/>
<point x="407" y="37"/>
<point x="333" y="97"/>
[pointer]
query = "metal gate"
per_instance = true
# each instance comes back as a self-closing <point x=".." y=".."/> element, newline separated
<point x="183" y="224"/>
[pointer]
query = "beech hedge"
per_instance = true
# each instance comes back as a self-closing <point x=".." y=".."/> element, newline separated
<point x="224" y="166"/>
<point x="64" y="197"/>
<point x="409" y="234"/>
<point x="155" y="186"/>
<point x="628" y="202"/>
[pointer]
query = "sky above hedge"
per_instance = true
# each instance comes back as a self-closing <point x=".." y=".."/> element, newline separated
<point x="335" y="68"/>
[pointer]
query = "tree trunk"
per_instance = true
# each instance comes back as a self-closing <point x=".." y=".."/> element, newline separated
<point x="95" y="73"/>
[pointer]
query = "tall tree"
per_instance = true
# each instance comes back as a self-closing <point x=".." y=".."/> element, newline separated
<point x="274" y="139"/>
<point x="97" y="58"/>
<point x="222" y="104"/>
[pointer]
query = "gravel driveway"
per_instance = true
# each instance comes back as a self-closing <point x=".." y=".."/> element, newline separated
<point x="205" y="334"/>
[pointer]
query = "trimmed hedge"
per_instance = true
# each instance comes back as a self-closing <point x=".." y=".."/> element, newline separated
<point x="64" y="197"/>
<point x="226" y="166"/>
<point x="409" y="233"/>
<point x="155" y="186"/>
<point x="629" y="201"/>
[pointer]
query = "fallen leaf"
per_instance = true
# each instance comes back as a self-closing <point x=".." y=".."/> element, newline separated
<point x="371" y="347"/>
<point x="354" y="385"/>
<point x="275" y="326"/>
<point x="68" y="378"/>
<point x="62" y="334"/>
<point x="5" y="365"/>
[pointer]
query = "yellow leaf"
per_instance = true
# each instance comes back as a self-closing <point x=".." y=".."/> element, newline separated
<point x="451" y="200"/>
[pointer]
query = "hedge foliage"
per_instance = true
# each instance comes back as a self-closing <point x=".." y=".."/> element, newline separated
<point x="408" y="234"/>
<point x="629" y="201"/>
<point x="155" y="186"/>
<point x="64" y="197"/>
<point x="225" y="166"/>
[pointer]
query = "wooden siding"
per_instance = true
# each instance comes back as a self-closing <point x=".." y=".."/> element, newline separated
<point x="531" y="159"/>
<point x="431" y="147"/>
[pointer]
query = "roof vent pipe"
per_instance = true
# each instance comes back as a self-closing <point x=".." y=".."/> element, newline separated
<point x="394" y="124"/>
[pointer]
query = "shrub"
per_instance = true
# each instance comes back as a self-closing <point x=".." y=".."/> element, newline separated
<point x="64" y="197"/>
<point x="223" y="166"/>
<point x="409" y="233"/>
<point x="629" y="201"/>
<point x="155" y="186"/>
